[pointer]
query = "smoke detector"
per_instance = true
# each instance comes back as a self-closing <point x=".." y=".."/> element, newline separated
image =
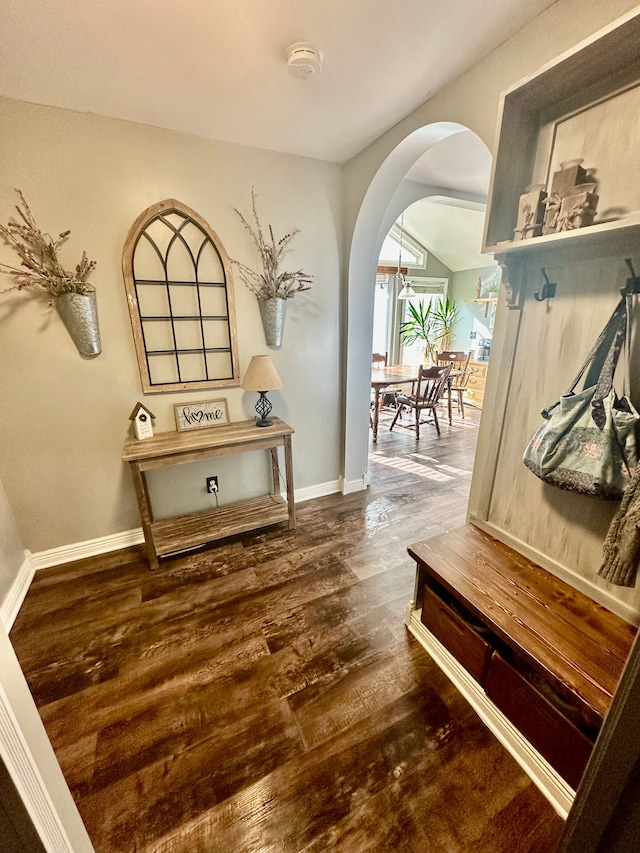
<point x="304" y="60"/>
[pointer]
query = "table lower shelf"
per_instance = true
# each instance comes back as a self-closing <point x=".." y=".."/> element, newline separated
<point x="180" y="533"/>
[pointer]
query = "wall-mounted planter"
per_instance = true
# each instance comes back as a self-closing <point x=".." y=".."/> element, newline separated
<point x="79" y="313"/>
<point x="273" y="312"/>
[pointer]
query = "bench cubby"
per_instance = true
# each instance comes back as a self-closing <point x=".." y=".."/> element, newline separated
<point x="544" y="655"/>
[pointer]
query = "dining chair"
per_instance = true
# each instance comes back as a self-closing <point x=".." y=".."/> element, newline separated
<point x="459" y="375"/>
<point x="431" y="384"/>
<point x="388" y="397"/>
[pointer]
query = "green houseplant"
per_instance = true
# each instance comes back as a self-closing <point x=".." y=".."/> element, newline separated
<point x="432" y="324"/>
<point x="41" y="271"/>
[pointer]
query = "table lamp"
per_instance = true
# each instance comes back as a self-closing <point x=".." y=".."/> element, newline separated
<point x="261" y="376"/>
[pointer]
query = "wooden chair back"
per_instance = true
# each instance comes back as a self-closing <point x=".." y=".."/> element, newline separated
<point x="378" y="360"/>
<point x="435" y="382"/>
<point x="460" y="362"/>
<point x="431" y="384"/>
<point x="458" y="357"/>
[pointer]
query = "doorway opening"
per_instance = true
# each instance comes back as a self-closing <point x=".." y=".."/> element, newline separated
<point x="440" y="174"/>
<point x="450" y="307"/>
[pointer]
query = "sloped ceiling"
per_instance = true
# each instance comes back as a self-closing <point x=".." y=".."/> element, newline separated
<point x="453" y="233"/>
<point x="451" y="229"/>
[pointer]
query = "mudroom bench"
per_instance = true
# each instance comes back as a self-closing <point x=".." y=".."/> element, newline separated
<point x="538" y="659"/>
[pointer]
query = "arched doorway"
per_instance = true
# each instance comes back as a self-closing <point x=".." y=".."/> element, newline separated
<point x="443" y="158"/>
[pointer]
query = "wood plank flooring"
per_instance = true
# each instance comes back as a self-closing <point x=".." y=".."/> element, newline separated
<point x="263" y="695"/>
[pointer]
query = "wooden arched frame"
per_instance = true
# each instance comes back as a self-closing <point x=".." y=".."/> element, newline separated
<point x="180" y="294"/>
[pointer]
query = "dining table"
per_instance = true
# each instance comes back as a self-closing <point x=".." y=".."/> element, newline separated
<point x="382" y="378"/>
<point x="397" y="374"/>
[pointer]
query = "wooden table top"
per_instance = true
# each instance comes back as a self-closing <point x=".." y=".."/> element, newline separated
<point x="394" y="373"/>
<point x="170" y="443"/>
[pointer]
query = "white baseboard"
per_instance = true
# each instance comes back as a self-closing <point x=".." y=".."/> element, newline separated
<point x="349" y="486"/>
<point x="541" y="773"/>
<point x="90" y="548"/>
<point x="319" y="491"/>
<point x="16" y="595"/>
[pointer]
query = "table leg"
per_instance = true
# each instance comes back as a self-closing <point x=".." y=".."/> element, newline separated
<point x="146" y="514"/>
<point x="449" y="383"/>
<point x="288" y="464"/>
<point x="275" y="470"/>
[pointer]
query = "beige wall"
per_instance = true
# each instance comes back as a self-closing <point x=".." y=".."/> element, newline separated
<point x="64" y="419"/>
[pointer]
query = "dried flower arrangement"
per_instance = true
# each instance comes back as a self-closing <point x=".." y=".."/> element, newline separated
<point x="40" y="267"/>
<point x="271" y="282"/>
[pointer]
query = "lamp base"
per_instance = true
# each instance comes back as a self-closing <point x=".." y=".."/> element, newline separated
<point x="263" y="407"/>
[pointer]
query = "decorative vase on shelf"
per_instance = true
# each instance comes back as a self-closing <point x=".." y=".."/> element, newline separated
<point x="273" y="312"/>
<point x="79" y="313"/>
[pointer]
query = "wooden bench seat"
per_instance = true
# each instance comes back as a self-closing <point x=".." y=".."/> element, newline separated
<point x="470" y="585"/>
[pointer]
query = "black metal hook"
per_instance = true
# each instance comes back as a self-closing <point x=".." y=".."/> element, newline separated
<point x="548" y="290"/>
<point x="633" y="283"/>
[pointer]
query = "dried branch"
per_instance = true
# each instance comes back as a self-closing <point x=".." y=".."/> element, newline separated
<point x="271" y="282"/>
<point x="40" y="267"/>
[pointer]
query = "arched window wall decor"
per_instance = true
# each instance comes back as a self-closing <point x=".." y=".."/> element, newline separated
<point x="180" y="295"/>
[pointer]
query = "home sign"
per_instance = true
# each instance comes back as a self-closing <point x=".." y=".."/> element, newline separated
<point x="201" y="415"/>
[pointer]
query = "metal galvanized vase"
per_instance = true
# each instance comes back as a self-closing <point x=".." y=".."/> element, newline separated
<point x="79" y="313"/>
<point x="273" y="313"/>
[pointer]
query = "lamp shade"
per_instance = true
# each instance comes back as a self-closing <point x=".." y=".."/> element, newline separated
<point x="261" y="375"/>
<point x="407" y="291"/>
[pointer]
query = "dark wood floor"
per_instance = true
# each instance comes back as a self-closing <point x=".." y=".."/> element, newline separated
<point x="263" y="696"/>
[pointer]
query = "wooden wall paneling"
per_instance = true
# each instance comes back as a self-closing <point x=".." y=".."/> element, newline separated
<point x="552" y="342"/>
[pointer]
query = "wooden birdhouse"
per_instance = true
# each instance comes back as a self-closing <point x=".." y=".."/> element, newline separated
<point x="143" y="420"/>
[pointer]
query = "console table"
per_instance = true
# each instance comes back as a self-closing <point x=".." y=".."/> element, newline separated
<point x="171" y="535"/>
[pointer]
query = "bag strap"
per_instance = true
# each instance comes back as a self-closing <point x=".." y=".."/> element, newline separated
<point x="601" y="363"/>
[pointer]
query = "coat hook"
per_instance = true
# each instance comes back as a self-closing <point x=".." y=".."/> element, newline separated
<point x="633" y="283"/>
<point x="548" y="291"/>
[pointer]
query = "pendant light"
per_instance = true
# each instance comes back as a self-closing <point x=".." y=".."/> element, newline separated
<point x="406" y="291"/>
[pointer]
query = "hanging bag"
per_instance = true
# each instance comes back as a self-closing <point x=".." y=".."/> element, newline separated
<point x="587" y="442"/>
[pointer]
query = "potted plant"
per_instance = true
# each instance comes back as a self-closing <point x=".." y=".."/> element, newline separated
<point x="446" y="314"/>
<point x="41" y="271"/>
<point x="432" y="324"/>
<point x="271" y="285"/>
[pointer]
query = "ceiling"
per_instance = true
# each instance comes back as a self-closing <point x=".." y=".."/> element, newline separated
<point x="218" y="69"/>
<point x="450" y="231"/>
<point x="449" y="228"/>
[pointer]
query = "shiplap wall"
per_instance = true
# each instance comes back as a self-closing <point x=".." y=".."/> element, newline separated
<point x="542" y="347"/>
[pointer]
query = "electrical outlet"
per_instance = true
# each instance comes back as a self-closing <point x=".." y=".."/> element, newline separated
<point x="212" y="485"/>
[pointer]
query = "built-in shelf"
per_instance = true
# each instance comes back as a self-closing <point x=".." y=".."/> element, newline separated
<point x="592" y="236"/>
<point x="556" y="114"/>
